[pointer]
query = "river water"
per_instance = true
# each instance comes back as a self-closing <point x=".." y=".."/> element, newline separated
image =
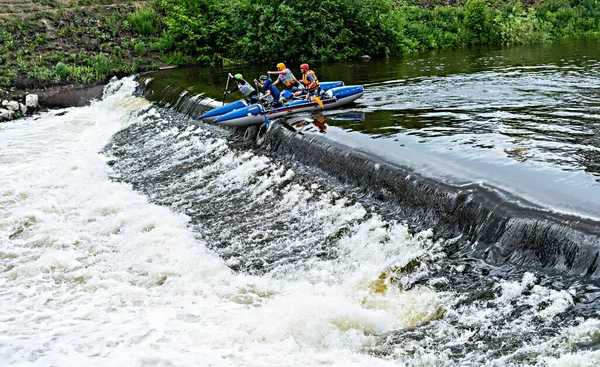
<point x="132" y="234"/>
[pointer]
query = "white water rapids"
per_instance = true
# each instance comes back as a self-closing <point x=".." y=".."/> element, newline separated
<point x="92" y="274"/>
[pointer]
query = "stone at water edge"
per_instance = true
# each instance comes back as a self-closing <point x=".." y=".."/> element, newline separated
<point x="12" y="105"/>
<point x="32" y="101"/>
<point x="6" y="115"/>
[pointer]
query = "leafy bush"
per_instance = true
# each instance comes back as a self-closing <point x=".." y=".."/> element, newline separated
<point x="140" y="49"/>
<point x="61" y="70"/>
<point x="102" y="66"/>
<point x="163" y="44"/>
<point x="521" y="27"/>
<point x="477" y="22"/>
<point x="145" y="21"/>
<point x="175" y="58"/>
<point x="4" y="81"/>
<point x="113" y="23"/>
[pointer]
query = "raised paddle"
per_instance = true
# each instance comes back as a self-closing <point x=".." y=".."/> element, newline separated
<point x="226" y="87"/>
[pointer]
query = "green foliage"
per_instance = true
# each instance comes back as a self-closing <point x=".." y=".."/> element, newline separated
<point x="175" y="58"/>
<point x="102" y="66"/>
<point x="273" y="30"/>
<point x="325" y="30"/>
<point x="40" y="73"/>
<point x="521" y="26"/>
<point x="145" y="21"/>
<point x="113" y="23"/>
<point x="140" y="49"/>
<point x="164" y="44"/>
<point x="477" y="22"/>
<point x="61" y="70"/>
<point x="80" y="74"/>
<point x="57" y="56"/>
<point x="269" y="31"/>
<point x="4" y="81"/>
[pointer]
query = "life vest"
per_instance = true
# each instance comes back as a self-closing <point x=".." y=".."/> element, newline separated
<point x="246" y="88"/>
<point x="288" y="78"/>
<point x="306" y="82"/>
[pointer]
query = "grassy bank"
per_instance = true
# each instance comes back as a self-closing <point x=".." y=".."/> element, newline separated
<point x="54" y="42"/>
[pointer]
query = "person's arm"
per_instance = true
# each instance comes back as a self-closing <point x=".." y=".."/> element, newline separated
<point x="234" y="88"/>
<point x="311" y="80"/>
<point x="267" y="93"/>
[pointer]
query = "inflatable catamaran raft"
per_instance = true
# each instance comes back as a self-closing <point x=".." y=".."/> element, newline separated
<point x="240" y="114"/>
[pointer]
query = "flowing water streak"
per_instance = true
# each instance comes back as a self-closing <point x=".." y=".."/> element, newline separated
<point x="94" y="274"/>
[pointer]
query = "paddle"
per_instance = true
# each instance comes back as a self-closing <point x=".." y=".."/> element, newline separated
<point x="319" y="102"/>
<point x="226" y="87"/>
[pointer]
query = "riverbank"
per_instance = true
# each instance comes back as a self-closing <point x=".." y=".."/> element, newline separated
<point x="64" y="51"/>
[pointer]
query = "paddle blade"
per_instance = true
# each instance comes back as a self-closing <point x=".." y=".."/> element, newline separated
<point x="266" y="120"/>
<point x="319" y="102"/>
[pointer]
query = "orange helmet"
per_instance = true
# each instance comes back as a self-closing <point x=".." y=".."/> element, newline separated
<point x="280" y="66"/>
<point x="304" y="67"/>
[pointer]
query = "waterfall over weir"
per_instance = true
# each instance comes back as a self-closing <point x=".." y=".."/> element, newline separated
<point x="484" y="221"/>
<point x="132" y="234"/>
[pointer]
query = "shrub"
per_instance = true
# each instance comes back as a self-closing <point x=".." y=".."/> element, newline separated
<point x="101" y="65"/>
<point x="140" y="49"/>
<point x="61" y="70"/>
<point x="477" y="21"/>
<point x="4" y="81"/>
<point x="175" y="58"/>
<point x="163" y="44"/>
<point x="145" y="22"/>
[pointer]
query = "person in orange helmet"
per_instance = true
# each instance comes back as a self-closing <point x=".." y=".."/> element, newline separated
<point x="286" y="77"/>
